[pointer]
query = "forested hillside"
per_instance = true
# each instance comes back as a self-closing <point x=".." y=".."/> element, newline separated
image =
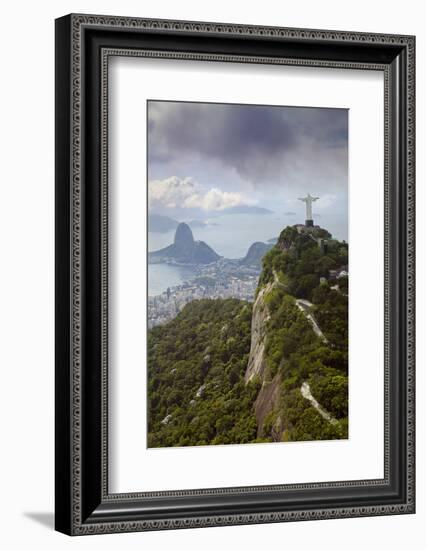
<point x="226" y="371"/>
<point x="196" y="389"/>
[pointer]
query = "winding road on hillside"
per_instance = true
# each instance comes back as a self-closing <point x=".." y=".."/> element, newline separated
<point x="304" y="306"/>
<point x="305" y="390"/>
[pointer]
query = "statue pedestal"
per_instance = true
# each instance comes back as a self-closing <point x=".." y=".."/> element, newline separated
<point x="309" y="223"/>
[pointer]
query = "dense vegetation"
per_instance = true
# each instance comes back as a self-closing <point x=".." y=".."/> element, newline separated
<point x="196" y="391"/>
<point x="301" y="262"/>
<point x="294" y="353"/>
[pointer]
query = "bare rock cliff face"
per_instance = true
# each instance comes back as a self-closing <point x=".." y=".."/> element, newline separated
<point x="257" y="363"/>
<point x="268" y="398"/>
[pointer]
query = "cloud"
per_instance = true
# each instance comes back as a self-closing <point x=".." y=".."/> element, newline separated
<point x="170" y="192"/>
<point x="215" y="199"/>
<point x="261" y="144"/>
<point x="326" y="201"/>
<point x="175" y="192"/>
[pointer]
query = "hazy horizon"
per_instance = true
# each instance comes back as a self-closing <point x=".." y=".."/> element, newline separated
<point x="204" y="159"/>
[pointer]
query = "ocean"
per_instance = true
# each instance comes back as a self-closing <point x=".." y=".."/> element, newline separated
<point x="229" y="235"/>
<point x="163" y="276"/>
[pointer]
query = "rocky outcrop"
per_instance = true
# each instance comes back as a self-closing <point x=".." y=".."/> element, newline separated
<point x="257" y="363"/>
<point x="267" y="400"/>
<point x="255" y="254"/>
<point x="287" y="238"/>
<point x="184" y="238"/>
<point x="185" y="249"/>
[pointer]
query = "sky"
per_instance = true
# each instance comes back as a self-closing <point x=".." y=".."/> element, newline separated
<point x="205" y="158"/>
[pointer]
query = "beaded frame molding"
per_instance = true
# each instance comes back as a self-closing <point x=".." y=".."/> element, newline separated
<point x="84" y="44"/>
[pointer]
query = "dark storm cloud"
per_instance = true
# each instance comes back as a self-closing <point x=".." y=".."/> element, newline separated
<point x="259" y="142"/>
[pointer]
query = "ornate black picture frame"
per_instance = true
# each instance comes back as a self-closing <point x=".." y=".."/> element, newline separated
<point x="83" y="45"/>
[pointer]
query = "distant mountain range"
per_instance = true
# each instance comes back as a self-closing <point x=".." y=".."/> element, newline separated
<point x="186" y="250"/>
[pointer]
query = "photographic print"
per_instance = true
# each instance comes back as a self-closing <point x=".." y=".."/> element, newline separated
<point x="206" y="269"/>
<point x="248" y="256"/>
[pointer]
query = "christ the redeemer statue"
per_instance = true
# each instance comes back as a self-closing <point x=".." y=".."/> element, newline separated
<point x="308" y="200"/>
